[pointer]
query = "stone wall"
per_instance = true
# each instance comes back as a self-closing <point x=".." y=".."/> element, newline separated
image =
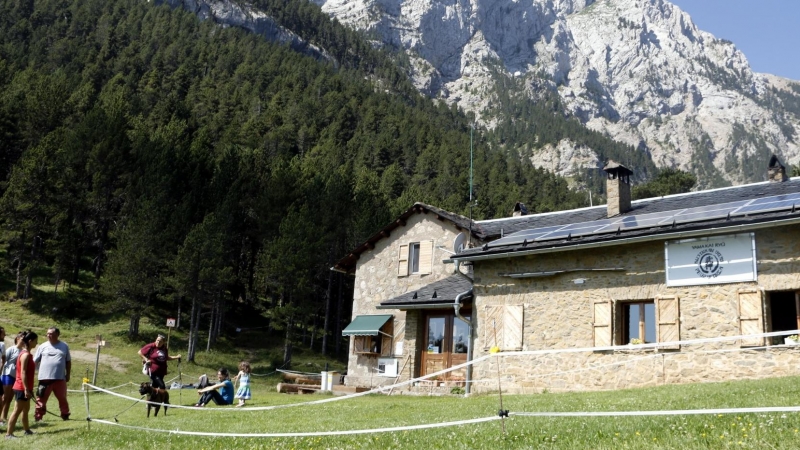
<point x="558" y="314"/>
<point x="377" y="281"/>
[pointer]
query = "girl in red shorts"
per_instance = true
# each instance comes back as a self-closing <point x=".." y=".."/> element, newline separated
<point x="23" y="385"/>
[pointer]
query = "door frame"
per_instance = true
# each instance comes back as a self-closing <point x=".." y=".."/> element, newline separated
<point x="446" y="358"/>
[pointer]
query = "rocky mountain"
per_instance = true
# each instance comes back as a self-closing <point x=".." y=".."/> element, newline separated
<point x="639" y="71"/>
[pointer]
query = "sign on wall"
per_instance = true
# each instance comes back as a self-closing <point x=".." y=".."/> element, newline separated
<point x="711" y="260"/>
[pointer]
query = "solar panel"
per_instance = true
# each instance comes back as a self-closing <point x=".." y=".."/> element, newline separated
<point x="525" y="235"/>
<point x="576" y="229"/>
<point x="665" y="218"/>
<point x="708" y="213"/>
<point x="767" y="207"/>
<point x="777" y="198"/>
<point x="638" y="221"/>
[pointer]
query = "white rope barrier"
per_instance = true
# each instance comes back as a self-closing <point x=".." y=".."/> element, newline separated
<point x="386" y="388"/>
<point x="308" y="374"/>
<point x="305" y="434"/>
<point x="677" y="412"/>
<point x="110" y="389"/>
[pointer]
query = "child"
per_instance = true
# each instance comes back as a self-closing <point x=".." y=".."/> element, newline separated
<point x="243" y="393"/>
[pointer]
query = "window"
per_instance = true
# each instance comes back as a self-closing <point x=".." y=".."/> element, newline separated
<point x="638" y="321"/>
<point x="372" y="334"/>
<point x="782" y="313"/>
<point x="413" y="258"/>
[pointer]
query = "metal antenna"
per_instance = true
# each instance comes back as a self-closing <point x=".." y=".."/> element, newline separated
<point x="471" y="205"/>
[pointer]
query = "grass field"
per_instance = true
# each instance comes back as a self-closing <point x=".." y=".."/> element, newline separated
<point x="119" y="365"/>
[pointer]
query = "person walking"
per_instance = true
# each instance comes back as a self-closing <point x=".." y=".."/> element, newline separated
<point x="23" y="385"/>
<point x="155" y="356"/>
<point x="243" y="393"/>
<point x="55" y="365"/>
<point x="9" y="374"/>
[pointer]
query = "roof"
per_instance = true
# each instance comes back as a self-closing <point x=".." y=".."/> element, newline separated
<point x="348" y="263"/>
<point x="494" y="229"/>
<point x="437" y="294"/>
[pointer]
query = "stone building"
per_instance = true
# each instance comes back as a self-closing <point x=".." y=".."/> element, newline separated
<point x="639" y="292"/>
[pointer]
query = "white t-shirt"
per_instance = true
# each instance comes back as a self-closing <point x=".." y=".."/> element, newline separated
<point x="12" y="355"/>
<point x="52" y="360"/>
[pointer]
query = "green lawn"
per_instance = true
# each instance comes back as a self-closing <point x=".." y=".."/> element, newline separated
<point x="772" y="430"/>
<point x="119" y="365"/>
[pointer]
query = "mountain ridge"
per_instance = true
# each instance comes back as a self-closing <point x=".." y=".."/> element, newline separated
<point x="639" y="71"/>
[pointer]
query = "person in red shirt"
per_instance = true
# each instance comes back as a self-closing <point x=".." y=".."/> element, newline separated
<point x="23" y="385"/>
<point x="155" y="356"/>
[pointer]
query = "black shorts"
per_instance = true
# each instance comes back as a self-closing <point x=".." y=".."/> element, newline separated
<point x="20" y="396"/>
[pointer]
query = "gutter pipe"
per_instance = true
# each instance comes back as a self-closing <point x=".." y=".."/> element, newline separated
<point x="456" y="309"/>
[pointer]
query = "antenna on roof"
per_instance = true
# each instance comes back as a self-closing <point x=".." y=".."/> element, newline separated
<point x="471" y="204"/>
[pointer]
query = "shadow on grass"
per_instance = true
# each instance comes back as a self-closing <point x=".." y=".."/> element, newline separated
<point x="71" y="306"/>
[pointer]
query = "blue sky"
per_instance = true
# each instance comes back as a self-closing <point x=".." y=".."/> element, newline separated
<point x="766" y="31"/>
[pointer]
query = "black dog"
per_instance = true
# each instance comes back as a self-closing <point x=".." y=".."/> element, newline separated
<point x="154" y="395"/>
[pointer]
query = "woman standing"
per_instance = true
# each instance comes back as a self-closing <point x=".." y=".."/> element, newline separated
<point x="23" y="386"/>
<point x="155" y="356"/>
<point x="9" y="375"/>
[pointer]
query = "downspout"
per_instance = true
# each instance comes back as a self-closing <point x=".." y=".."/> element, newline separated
<point x="456" y="309"/>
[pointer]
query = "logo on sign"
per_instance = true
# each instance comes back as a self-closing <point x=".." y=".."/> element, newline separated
<point x="708" y="263"/>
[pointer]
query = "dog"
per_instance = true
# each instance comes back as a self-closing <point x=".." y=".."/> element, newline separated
<point x="155" y="395"/>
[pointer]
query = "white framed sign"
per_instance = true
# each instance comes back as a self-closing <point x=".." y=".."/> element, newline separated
<point x="170" y="322"/>
<point x="711" y="260"/>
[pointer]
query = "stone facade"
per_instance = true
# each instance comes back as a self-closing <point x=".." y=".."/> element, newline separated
<point x="377" y="281"/>
<point x="558" y="314"/>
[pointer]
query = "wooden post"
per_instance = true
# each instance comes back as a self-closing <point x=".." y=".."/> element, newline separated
<point x="99" y="340"/>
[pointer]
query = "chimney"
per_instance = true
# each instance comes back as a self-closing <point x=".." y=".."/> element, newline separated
<point x="519" y="210"/>
<point x="776" y="172"/>
<point x="618" y="188"/>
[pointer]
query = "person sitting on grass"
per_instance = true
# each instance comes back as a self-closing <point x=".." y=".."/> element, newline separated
<point x="225" y="394"/>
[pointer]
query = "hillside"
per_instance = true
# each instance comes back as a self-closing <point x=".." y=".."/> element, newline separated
<point x="154" y="160"/>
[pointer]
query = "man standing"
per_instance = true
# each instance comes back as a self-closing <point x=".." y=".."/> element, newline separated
<point x="55" y="365"/>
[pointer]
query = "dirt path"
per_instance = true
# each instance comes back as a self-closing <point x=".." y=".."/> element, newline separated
<point x="108" y="360"/>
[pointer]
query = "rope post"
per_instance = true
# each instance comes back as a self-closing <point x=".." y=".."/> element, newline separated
<point x="85" y="387"/>
<point x="496" y="349"/>
<point x="180" y="380"/>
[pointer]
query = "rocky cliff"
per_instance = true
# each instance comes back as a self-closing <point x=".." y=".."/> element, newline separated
<point x="638" y="70"/>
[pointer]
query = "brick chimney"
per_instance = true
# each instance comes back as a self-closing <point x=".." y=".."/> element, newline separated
<point x="618" y="188"/>
<point x="776" y="172"/>
<point x="519" y="210"/>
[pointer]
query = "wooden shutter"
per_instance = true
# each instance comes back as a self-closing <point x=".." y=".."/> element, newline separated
<point x="493" y="326"/>
<point x="601" y="323"/>
<point x="402" y="261"/>
<point x="751" y="319"/>
<point x="668" y="327"/>
<point x="512" y="328"/>
<point x="425" y="257"/>
<point x="387" y="339"/>
<point x="503" y="327"/>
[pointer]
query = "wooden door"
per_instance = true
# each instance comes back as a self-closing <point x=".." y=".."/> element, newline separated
<point x="447" y="344"/>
